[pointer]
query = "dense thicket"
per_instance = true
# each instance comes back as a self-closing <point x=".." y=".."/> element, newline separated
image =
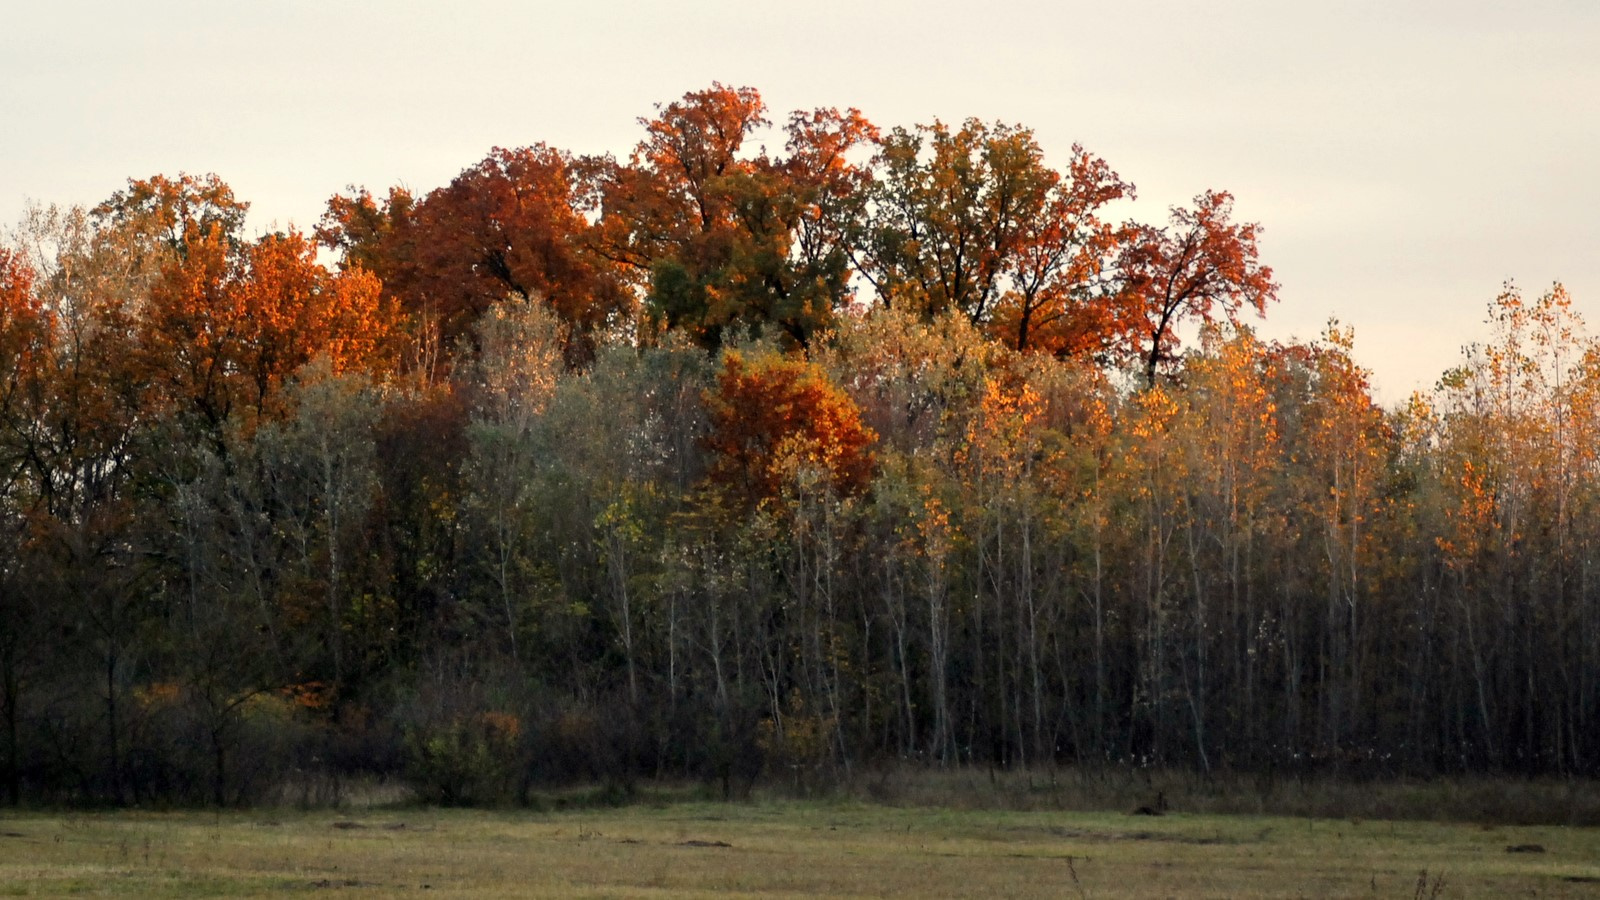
<point x="728" y="465"/>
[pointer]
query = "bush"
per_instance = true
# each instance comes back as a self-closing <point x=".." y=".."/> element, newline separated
<point x="471" y="759"/>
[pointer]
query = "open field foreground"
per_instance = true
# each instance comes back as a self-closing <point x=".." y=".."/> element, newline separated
<point x="785" y="849"/>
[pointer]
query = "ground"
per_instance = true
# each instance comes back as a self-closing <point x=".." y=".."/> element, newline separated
<point x="782" y="848"/>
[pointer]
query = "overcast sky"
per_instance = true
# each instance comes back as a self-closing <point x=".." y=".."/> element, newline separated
<point x="1405" y="158"/>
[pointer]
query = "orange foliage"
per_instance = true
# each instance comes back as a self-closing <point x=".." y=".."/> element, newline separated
<point x="223" y="332"/>
<point x="1199" y="262"/>
<point x="16" y="283"/>
<point x="296" y="309"/>
<point x="172" y="210"/>
<point x="668" y="208"/>
<point x="722" y="240"/>
<point x="772" y="413"/>
<point x="509" y="225"/>
<point x="371" y="236"/>
<point x="158" y="695"/>
<point x="316" y="696"/>
<point x="1060" y="300"/>
<point x="24" y="322"/>
<point x="500" y="725"/>
<point x="1004" y="434"/>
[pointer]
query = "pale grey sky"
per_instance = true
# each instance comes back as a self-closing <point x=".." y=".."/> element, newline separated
<point x="1404" y="157"/>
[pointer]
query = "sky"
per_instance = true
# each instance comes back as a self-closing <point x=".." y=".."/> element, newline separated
<point x="1406" y="158"/>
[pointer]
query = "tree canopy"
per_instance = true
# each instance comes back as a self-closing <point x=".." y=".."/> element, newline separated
<point x="890" y="446"/>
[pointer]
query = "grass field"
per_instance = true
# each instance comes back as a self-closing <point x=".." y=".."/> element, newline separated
<point x="782" y="849"/>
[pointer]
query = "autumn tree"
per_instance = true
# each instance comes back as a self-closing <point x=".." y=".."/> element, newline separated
<point x="790" y="261"/>
<point x="372" y="234"/>
<point x="380" y="236"/>
<point x="171" y="211"/>
<point x="223" y="331"/>
<point x="1062" y="297"/>
<point x="71" y="444"/>
<point x="664" y="217"/>
<point x="26" y="330"/>
<point x="723" y="240"/>
<point x="1348" y="444"/>
<point x="1231" y="443"/>
<point x="1509" y="454"/>
<point x="918" y="383"/>
<point x="1003" y="505"/>
<point x="511" y="381"/>
<point x="1200" y="267"/>
<point x="76" y="413"/>
<point x="769" y="413"/>
<point x="318" y="484"/>
<point x="25" y="333"/>
<point x="947" y="213"/>
<point x="974" y="220"/>
<point x="509" y="226"/>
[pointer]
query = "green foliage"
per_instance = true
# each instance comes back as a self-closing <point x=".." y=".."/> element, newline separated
<point x="464" y="760"/>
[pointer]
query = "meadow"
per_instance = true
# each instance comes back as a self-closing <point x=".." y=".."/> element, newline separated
<point x="839" y="848"/>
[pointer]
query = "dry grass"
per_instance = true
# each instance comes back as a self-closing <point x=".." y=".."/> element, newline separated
<point x="782" y="848"/>
<point x="1478" y="800"/>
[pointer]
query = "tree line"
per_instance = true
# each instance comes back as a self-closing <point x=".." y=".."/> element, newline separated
<point x="719" y="464"/>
